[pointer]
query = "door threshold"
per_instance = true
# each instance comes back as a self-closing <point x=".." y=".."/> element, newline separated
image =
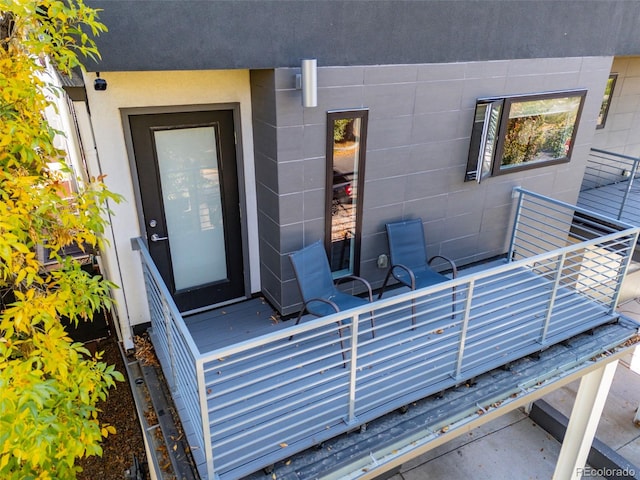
<point x="214" y="306"/>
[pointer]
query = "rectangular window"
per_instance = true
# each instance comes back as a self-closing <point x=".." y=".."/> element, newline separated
<point x="514" y="133"/>
<point x="606" y="100"/>
<point x="346" y="148"/>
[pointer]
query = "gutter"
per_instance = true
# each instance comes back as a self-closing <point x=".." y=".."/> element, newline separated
<point x="165" y="460"/>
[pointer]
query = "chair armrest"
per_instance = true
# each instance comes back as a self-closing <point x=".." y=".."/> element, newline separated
<point x="331" y="303"/>
<point x="454" y="269"/>
<point x="358" y="279"/>
<point x="390" y="272"/>
<point x="409" y="272"/>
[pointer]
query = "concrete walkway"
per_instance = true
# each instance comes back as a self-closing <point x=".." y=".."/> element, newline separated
<point x="515" y="447"/>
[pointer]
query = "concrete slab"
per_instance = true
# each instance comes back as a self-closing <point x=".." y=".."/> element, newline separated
<point x="616" y="427"/>
<point x="474" y="435"/>
<point x="507" y="448"/>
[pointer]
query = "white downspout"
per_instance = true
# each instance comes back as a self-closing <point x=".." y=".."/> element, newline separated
<point x="112" y="262"/>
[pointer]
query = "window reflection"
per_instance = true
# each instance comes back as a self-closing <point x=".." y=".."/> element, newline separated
<point x="346" y="159"/>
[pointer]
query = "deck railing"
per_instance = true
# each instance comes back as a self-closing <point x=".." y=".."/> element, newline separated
<point x="174" y="347"/>
<point x="608" y="185"/>
<point x="262" y="400"/>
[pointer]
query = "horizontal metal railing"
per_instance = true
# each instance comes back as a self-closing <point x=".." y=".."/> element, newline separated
<point x="608" y="185"/>
<point x="267" y="398"/>
<point x="174" y="347"/>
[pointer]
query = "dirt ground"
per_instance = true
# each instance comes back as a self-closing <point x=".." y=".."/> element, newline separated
<point x="119" y="410"/>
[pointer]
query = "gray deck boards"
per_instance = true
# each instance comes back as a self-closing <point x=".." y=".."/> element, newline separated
<point x="607" y="199"/>
<point x="234" y="323"/>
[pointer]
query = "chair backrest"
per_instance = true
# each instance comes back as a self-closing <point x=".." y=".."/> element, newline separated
<point x="406" y="243"/>
<point x="312" y="271"/>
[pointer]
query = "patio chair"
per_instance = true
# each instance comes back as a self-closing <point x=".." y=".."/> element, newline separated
<point x="410" y="264"/>
<point x="320" y="295"/>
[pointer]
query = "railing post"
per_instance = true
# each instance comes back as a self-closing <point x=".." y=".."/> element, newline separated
<point x="516" y="223"/>
<point x="624" y="267"/>
<point x="204" y="417"/>
<point x="353" y="370"/>
<point x="465" y="326"/>
<point x="552" y="298"/>
<point x="634" y="169"/>
<point x="166" y="316"/>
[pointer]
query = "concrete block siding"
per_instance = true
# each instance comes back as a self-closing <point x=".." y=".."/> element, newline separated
<point x="418" y="138"/>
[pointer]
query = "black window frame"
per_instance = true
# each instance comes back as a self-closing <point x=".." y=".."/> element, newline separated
<point x="606" y="101"/>
<point x="332" y="115"/>
<point x="491" y="163"/>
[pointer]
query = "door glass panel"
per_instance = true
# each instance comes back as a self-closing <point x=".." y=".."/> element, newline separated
<point x="188" y="163"/>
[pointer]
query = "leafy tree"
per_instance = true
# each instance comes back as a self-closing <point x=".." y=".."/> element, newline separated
<point x="49" y="386"/>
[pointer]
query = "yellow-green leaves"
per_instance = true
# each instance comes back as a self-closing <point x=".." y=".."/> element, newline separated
<point x="49" y="385"/>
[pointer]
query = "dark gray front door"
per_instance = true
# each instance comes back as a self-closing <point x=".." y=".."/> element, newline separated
<point x="188" y="179"/>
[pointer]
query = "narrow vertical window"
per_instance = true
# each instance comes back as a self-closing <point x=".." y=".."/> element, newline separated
<point x="346" y="147"/>
<point x="606" y="100"/>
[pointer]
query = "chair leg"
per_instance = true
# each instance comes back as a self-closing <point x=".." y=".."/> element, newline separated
<point x="453" y="304"/>
<point x="413" y="313"/>
<point x="344" y="358"/>
<point x="373" y="325"/>
<point x="297" y="321"/>
<point x="384" y="284"/>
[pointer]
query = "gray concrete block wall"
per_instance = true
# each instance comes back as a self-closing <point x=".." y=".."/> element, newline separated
<point x="263" y="102"/>
<point x="420" y="120"/>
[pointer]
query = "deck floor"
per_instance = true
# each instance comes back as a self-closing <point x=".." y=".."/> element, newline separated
<point x="606" y="200"/>
<point x="220" y="327"/>
<point x="233" y="323"/>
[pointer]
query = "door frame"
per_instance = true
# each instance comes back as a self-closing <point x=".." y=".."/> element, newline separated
<point x="240" y="166"/>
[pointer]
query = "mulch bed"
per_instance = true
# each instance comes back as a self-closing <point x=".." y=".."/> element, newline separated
<point x="120" y="411"/>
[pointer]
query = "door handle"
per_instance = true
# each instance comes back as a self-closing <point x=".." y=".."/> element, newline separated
<point x="157" y="238"/>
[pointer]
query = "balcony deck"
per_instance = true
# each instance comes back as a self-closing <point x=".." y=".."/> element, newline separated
<point x="310" y="369"/>
<point x="249" y="397"/>
<point x="607" y="200"/>
<point x="610" y="186"/>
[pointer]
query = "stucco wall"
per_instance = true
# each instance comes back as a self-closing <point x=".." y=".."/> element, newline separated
<point x="153" y="91"/>
<point x="419" y="128"/>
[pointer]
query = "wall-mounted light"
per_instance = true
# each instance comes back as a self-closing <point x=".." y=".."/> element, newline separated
<point x="308" y="82"/>
<point x="99" y="83"/>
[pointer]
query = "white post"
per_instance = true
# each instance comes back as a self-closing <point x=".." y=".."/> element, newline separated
<point x="585" y="416"/>
<point x="634" y="366"/>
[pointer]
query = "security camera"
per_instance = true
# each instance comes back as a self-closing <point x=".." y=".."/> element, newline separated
<point x="100" y="84"/>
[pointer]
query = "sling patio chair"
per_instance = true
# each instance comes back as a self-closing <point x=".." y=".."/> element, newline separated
<point x="319" y="292"/>
<point x="410" y="264"/>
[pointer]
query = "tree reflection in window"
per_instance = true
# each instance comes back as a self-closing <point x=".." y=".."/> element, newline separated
<point x="346" y="146"/>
